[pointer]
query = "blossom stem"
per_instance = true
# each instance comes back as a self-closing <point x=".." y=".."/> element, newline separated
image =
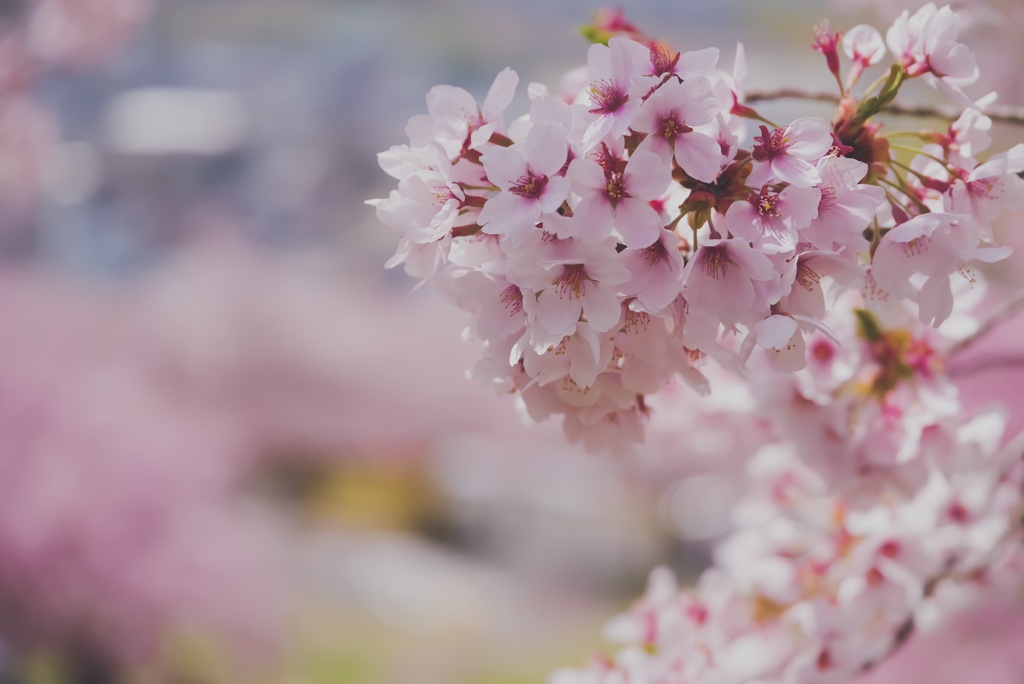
<point x="1003" y="114"/>
<point x="908" y="148"/>
<point x="902" y="187"/>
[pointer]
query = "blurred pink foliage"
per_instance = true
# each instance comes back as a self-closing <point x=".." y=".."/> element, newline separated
<point x="118" y="517"/>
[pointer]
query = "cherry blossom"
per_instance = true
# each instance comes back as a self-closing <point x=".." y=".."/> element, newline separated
<point x="669" y="117"/>
<point x="527" y="177"/>
<point x="790" y="154"/>
<point x="611" y="197"/>
<point x="863" y="44"/>
<point x="771" y="220"/>
<point x="926" y="43"/>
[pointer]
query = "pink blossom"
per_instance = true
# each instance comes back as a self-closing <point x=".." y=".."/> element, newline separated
<point x="772" y="221"/>
<point x="864" y="45"/>
<point x="721" y="284"/>
<point x="658" y="61"/>
<point x="613" y="94"/>
<point x="570" y="278"/>
<point x="577" y="359"/>
<point x="990" y="188"/>
<point x="656" y="272"/>
<point x="791" y="153"/>
<point x="967" y="136"/>
<point x="527" y="177"/>
<point x="456" y="122"/>
<point x="669" y="117"/>
<point x="936" y="246"/>
<point x="846" y="207"/>
<point x="428" y="201"/>
<point x="619" y="197"/>
<point x="926" y="43"/>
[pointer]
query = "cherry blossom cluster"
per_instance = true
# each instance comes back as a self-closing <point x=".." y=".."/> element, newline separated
<point x="632" y="225"/>
<point x="887" y="510"/>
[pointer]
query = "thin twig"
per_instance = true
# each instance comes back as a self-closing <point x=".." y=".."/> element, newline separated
<point x="1001" y="113"/>
<point x="1007" y="310"/>
<point x="987" y="363"/>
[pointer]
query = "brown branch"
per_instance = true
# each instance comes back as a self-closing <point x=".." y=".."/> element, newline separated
<point x="1001" y="113"/>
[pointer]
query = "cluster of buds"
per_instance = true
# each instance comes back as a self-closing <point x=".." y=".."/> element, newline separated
<point x="889" y="509"/>
<point x="622" y="232"/>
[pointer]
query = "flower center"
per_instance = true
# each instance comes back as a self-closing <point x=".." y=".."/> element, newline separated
<point x="606" y="98"/>
<point x="807" y="277"/>
<point x="663" y="59"/>
<point x="770" y="145"/>
<point x="572" y="283"/>
<point x="615" y="188"/>
<point x="636" y="321"/>
<point x="671" y="127"/>
<point x="767" y="205"/>
<point x="715" y="262"/>
<point x="512" y="300"/>
<point x="917" y="246"/>
<point x="529" y="186"/>
<point x="654" y="254"/>
<point x="443" y="195"/>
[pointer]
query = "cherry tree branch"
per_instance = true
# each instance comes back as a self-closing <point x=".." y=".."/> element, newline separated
<point x="1001" y="113"/>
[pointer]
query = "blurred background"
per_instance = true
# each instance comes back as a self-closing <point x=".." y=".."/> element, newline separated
<point x="233" y="447"/>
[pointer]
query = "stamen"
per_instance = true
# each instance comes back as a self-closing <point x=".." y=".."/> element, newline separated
<point x="715" y="262"/>
<point x="671" y="127"/>
<point x="770" y="145"/>
<point x="636" y="321"/>
<point x="663" y="59"/>
<point x="529" y="186"/>
<point x="917" y="246"/>
<point x="572" y="282"/>
<point x="606" y="97"/>
<point x="512" y="300"/>
<point x="807" y="277"/>
<point x="767" y="205"/>
<point x="615" y="189"/>
<point x="654" y="254"/>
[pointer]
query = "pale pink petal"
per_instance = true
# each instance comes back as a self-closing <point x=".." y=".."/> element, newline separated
<point x="800" y="204"/>
<point x="557" y="313"/>
<point x="592" y="221"/>
<point x="637" y="222"/>
<point x="795" y="171"/>
<point x="585" y="175"/>
<point x="647" y="175"/>
<point x="696" y="104"/>
<point x="812" y="138"/>
<point x="602" y="307"/>
<point x="508" y="213"/>
<point x="935" y="302"/>
<point x="499" y="97"/>
<point x="697" y="62"/>
<point x="546" y="149"/>
<point x="555" y="193"/>
<point x="700" y="156"/>
<point x="504" y="165"/>
<point x="744" y="222"/>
